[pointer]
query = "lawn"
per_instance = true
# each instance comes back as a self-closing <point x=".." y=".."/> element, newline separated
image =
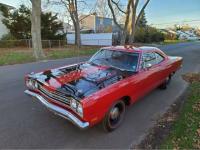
<point x="18" y="56"/>
<point x="67" y="54"/>
<point x="185" y="133"/>
<point x="166" y="42"/>
<point x="14" y="57"/>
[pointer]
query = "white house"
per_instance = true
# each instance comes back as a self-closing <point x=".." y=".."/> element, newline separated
<point x="3" y="28"/>
<point x="96" y="23"/>
<point x="187" y="35"/>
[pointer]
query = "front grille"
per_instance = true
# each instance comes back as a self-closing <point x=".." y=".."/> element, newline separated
<point x="55" y="95"/>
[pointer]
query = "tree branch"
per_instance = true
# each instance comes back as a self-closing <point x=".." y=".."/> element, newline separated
<point x="117" y="5"/>
<point x="127" y="14"/>
<point x="141" y="11"/>
<point x="113" y="14"/>
<point x="136" y="3"/>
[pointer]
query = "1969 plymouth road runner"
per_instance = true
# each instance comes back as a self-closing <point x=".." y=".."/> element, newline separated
<point x="100" y="89"/>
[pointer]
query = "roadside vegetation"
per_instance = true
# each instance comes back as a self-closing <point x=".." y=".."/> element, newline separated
<point x="16" y="56"/>
<point x="175" y="41"/>
<point x="185" y="133"/>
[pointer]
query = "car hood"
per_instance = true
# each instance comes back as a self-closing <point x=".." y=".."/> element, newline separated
<point x="79" y="80"/>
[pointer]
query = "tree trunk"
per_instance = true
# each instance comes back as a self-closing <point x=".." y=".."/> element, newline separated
<point x="77" y="30"/>
<point x="78" y="36"/>
<point x="36" y="29"/>
<point x="123" y="38"/>
<point x="78" y="25"/>
<point x="125" y="32"/>
<point x="73" y="11"/>
<point x="131" y="9"/>
<point x="133" y="24"/>
<point x="135" y="19"/>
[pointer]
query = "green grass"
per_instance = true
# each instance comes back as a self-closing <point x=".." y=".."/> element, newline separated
<point x="184" y="133"/>
<point x="69" y="53"/>
<point x="173" y="41"/>
<point x="15" y="58"/>
<point x="18" y="57"/>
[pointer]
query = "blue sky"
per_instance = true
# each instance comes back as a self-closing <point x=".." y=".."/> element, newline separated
<point x="160" y="13"/>
<point x="167" y="11"/>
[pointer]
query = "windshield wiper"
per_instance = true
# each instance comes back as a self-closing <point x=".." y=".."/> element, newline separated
<point x="123" y="70"/>
<point x="105" y="60"/>
<point x="90" y="62"/>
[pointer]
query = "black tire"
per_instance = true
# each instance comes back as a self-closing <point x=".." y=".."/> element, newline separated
<point x="163" y="86"/>
<point x="114" y="117"/>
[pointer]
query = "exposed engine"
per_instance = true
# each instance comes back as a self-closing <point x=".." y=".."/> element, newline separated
<point x="83" y="79"/>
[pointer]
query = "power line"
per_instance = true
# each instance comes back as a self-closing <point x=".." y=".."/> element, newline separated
<point x="183" y="21"/>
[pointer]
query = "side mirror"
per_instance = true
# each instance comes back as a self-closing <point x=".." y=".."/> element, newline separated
<point x="148" y="65"/>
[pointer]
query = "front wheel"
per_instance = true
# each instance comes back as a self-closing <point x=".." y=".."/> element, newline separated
<point x="114" y="117"/>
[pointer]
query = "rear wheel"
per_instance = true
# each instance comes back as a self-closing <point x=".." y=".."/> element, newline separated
<point x="164" y="85"/>
<point x="114" y="117"/>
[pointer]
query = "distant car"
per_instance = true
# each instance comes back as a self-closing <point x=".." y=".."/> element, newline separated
<point x="99" y="90"/>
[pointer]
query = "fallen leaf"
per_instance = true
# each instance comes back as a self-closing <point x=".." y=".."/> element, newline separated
<point x="196" y="107"/>
<point x="191" y="77"/>
<point x="197" y="145"/>
<point x="198" y="132"/>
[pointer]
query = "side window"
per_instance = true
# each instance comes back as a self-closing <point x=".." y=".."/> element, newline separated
<point x="148" y="58"/>
<point x="159" y="58"/>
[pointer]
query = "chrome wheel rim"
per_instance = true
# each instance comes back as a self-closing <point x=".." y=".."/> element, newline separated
<point x="116" y="115"/>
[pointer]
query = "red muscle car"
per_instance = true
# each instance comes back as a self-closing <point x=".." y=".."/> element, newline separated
<point x="99" y="90"/>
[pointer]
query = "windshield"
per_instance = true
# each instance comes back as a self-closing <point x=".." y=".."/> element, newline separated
<point x="118" y="59"/>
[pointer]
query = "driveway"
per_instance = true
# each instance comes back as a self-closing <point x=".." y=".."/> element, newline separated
<point x="25" y="123"/>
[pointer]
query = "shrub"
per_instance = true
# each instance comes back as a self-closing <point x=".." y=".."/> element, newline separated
<point x="148" y="35"/>
<point x="8" y="41"/>
<point x="8" y="36"/>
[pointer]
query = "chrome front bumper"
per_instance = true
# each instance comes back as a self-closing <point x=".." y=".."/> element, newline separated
<point x="59" y="111"/>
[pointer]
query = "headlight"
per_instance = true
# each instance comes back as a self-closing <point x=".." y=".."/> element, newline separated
<point x="73" y="103"/>
<point x="80" y="109"/>
<point x="31" y="84"/>
<point x="36" y="85"/>
<point x="76" y="106"/>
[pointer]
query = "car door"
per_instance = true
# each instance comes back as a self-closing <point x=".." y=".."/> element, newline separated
<point x="151" y="68"/>
<point x="144" y="80"/>
<point x="151" y="74"/>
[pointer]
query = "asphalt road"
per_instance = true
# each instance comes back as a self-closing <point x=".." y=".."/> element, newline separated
<point x="25" y="123"/>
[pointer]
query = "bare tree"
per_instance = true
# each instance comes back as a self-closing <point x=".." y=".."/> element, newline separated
<point x="36" y="29"/>
<point x="135" y="19"/>
<point x="101" y="8"/>
<point x="131" y="18"/>
<point x="72" y="8"/>
<point x="127" y="14"/>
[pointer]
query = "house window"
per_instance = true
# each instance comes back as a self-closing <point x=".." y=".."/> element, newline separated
<point x="101" y="21"/>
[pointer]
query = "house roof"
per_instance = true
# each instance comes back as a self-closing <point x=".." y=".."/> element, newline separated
<point x="8" y="6"/>
<point x="84" y="15"/>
